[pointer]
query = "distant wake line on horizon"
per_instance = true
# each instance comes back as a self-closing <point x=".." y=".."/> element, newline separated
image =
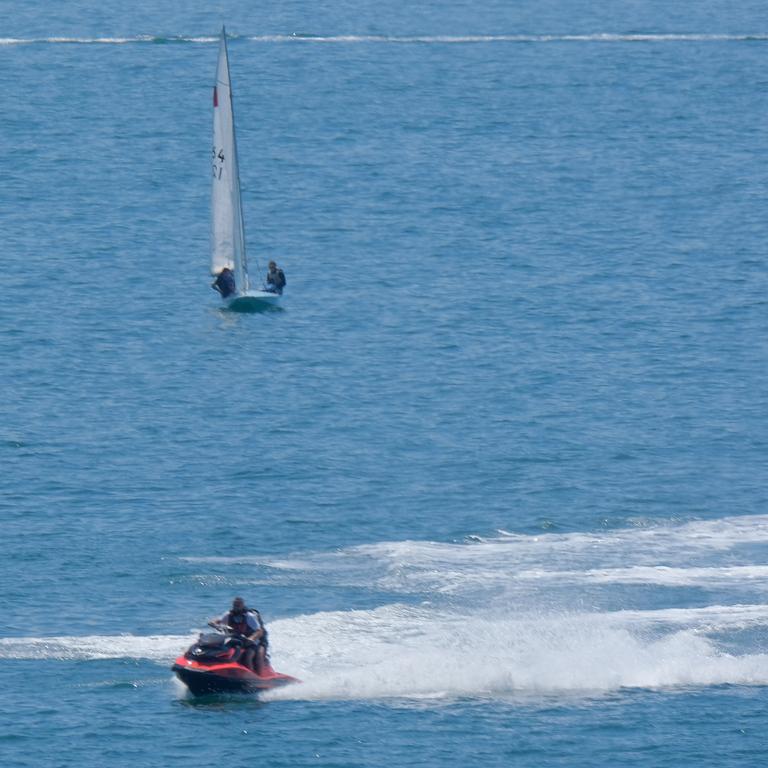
<point x="604" y="37"/>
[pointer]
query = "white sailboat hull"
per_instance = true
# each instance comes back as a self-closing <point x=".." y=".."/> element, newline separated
<point x="251" y="301"/>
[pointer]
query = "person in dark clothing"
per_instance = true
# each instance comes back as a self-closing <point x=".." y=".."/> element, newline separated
<point x="275" y="279"/>
<point x="247" y="623"/>
<point x="225" y="283"/>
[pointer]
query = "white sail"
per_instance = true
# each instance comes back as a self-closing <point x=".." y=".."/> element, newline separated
<point x="227" y="232"/>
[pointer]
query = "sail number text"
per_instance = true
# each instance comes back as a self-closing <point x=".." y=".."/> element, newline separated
<point x="218" y="163"/>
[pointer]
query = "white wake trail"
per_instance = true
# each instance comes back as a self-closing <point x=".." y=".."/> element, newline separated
<point x="398" y="651"/>
<point x="158" y="648"/>
<point x="597" y="37"/>
<point x="665" y="555"/>
<point x="404" y="652"/>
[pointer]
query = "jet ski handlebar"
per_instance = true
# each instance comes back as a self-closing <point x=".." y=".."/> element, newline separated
<point x="224" y="628"/>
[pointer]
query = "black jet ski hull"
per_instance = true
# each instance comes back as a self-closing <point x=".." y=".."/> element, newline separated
<point x="226" y="678"/>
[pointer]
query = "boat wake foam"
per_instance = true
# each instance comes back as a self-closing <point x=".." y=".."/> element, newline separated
<point x="497" y="614"/>
<point x="502" y="616"/>
<point x="451" y="655"/>
<point x="159" y="648"/>
<point x="520" y="566"/>
<point x="399" y="651"/>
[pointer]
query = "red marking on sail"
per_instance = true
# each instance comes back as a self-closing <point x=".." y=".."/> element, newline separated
<point x="215" y="97"/>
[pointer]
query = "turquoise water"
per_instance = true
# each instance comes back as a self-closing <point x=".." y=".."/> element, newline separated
<point x="494" y="474"/>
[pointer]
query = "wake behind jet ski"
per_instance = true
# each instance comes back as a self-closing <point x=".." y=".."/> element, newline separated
<point x="232" y="660"/>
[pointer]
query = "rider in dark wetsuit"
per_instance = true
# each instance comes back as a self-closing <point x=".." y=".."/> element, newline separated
<point x="225" y="283"/>
<point x="275" y="279"/>
<point x="247" y="623"/>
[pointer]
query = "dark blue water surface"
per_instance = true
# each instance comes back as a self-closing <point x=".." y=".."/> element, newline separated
<point x="495" y="472"/>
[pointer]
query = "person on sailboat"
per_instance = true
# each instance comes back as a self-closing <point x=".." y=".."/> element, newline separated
<point x="275" y="279"/>
<point x="224" y="283"/>
<point x="247" y="623"/>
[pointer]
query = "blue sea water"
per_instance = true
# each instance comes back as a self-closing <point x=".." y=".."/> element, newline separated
<point x="495" y="473"/>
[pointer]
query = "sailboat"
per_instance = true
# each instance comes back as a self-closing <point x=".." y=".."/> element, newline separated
<point x="227" y="230"/>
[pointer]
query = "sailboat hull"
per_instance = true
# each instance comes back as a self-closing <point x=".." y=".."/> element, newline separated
<point x="251" y="301"/>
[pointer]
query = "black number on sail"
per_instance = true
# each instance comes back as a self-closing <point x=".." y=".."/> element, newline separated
<point x="218" y="169"/>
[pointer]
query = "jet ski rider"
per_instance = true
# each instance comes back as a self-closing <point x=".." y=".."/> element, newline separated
<point x="247" y="623"/>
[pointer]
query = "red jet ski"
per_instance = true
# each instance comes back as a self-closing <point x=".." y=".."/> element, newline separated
<point x="211" y="665"/>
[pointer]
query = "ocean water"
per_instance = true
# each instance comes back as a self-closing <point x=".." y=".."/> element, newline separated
<point x="495" y="473"/>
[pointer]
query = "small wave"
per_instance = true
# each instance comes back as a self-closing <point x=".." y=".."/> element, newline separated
<point x="106" y="40"/>
<point x="601" y="37"/>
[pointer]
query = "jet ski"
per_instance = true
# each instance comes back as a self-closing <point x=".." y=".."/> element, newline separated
<point x="211" y="665"/>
